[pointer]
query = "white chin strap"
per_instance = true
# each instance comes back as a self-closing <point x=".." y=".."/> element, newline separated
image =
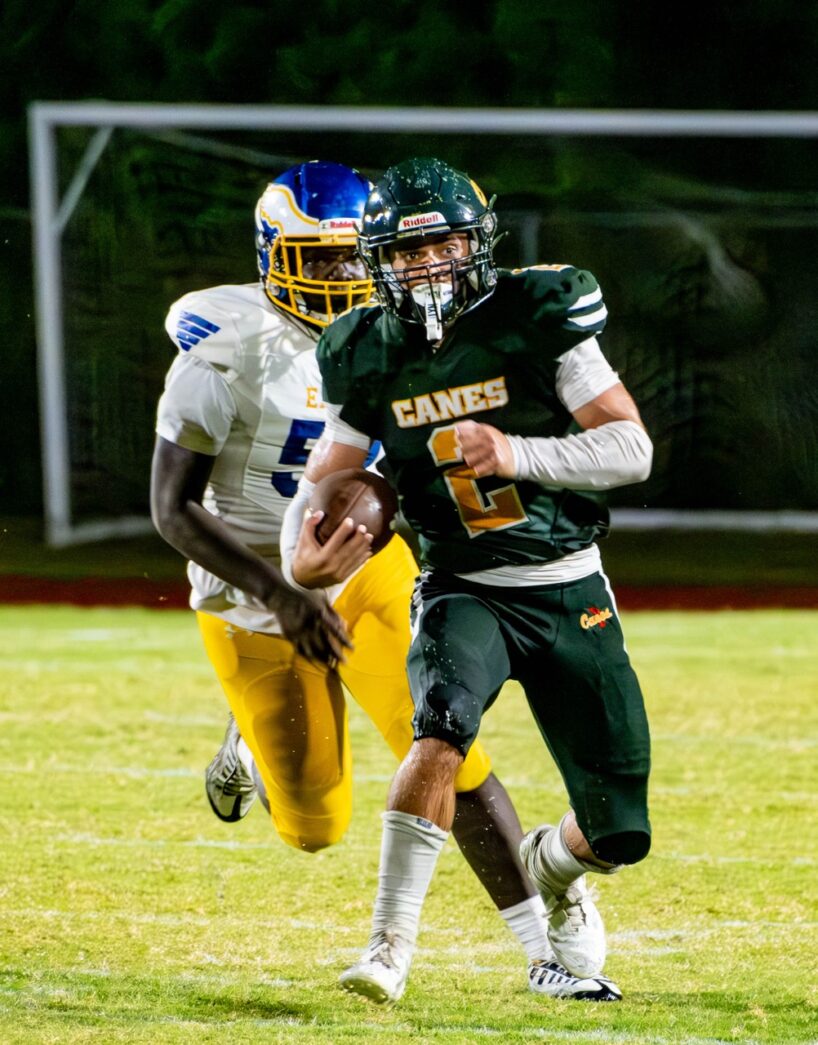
<point x="433" y="299"/>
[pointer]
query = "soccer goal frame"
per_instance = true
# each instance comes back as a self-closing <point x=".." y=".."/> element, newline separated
<point x="51" y="214"/>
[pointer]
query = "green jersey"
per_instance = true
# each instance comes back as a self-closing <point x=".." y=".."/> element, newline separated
<point x="497" y="365"/>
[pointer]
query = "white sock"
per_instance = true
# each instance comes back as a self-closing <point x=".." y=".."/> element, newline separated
<point x="410" y="847"/>
<point x="245" y="755"/>
<point x="528" y="921"/>
<point x="559" y="863"/>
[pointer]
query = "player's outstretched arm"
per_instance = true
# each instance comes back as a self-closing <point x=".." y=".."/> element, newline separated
<point x="178" y="481"/>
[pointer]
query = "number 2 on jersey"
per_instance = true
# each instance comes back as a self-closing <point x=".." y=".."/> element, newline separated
<point x="494" y="510"/>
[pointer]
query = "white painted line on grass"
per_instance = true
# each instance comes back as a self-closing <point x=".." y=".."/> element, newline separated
<point x="725" y="740"/>
<point x="187" y="720"/>
<point x="183" y="772"/>
<point x="89" y="769"/>
<point x="483" y="946"/>
<point x="361" y="1029"/>
<point x="761" y="861"/>
<point x="468" y="1032"/>
<point x="210" y="843"/>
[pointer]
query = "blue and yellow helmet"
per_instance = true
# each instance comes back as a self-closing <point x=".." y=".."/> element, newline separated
<point x="312" y="205"/>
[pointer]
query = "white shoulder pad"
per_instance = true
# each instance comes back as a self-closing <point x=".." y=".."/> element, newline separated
<point x="210" y="323"/>
<point x="196" y="409"/>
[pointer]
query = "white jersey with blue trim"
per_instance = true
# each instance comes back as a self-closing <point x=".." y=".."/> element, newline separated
<point x="245" y="389"/>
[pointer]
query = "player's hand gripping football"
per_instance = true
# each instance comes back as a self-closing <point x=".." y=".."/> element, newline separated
<point x="485" y="449"/>
<point x="317" y="565"/>
<point x="311" y="625"/>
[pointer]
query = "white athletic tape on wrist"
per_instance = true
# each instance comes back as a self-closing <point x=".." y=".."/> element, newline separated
<point x="290" y="529"/>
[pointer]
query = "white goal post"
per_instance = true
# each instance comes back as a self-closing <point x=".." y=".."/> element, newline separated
<point x="50" y="215"/>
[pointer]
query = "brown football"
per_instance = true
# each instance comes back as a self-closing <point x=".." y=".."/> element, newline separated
<point x="357" y="494"/>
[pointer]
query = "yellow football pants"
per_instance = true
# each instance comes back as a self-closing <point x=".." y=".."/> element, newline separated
<point x="292" y="712"/>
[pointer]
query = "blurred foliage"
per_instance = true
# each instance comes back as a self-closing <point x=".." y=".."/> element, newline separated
<point x="756" y="55"/>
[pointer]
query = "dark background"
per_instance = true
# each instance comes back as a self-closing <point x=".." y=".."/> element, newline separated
<point x="705" y="249"/>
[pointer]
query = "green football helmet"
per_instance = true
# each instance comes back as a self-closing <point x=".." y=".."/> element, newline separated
<point x="414" y="201"/>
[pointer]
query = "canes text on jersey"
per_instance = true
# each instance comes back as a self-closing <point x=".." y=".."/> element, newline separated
<point x="448" y="403"/>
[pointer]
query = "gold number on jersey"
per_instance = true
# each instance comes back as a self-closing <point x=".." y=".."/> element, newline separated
<point x="495" y="510"/>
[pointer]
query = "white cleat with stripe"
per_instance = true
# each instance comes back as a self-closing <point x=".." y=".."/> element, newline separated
<point x="551" y="979"/>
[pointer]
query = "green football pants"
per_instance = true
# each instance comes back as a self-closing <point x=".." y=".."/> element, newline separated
<point x="564" y="644"/>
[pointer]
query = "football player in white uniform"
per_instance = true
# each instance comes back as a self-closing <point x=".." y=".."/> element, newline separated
<point x="240" y="411"/>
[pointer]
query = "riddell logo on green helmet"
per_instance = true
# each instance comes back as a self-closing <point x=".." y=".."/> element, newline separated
<point x="417" y="221"/>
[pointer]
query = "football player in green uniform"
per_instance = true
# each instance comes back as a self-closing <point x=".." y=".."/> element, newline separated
<point x="240" y="406"/>
<point x="503" y="425"/>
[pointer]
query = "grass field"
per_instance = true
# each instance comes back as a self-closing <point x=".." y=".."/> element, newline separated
<point x="129" y="914"/>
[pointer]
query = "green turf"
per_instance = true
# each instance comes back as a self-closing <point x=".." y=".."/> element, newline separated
<point x="128" y="914"/>
<point x="23" y="551"/>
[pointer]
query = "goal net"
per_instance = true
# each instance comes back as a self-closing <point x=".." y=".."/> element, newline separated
<point x="701" y="229"/>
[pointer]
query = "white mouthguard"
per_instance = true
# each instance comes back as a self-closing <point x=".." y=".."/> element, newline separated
<point x="433" y="299"/>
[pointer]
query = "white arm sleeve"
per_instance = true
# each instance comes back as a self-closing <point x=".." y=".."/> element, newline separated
<point x="291" y="527"/>
<point x="583" y="374"/>
<point x="338" y="431"/>
<point x="614" y="454"/>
